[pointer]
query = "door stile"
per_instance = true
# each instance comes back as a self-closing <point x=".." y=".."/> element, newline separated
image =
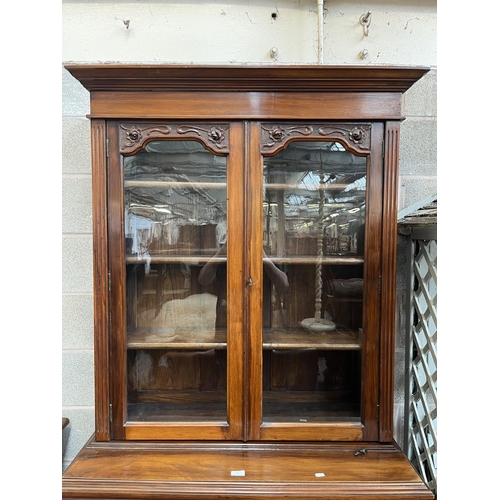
<point x="254" y="286"/>
<point x="101" y="293"/>
<point x="236" y="283"/>
<point x="118" y="327"/>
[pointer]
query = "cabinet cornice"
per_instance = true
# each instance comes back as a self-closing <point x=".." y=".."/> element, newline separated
<point x="245" y="78"/>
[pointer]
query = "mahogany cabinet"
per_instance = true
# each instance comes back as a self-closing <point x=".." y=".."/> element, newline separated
<point x="244" y="222"/>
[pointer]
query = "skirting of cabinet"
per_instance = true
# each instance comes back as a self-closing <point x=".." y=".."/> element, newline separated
<point x="131" y="470"/>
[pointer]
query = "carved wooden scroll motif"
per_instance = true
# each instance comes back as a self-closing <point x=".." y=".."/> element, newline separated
<point x="135" y="136"/>
<point x="356" y="137"/>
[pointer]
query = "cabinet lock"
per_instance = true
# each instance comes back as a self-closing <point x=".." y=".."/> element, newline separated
<point x="363" y="451"/>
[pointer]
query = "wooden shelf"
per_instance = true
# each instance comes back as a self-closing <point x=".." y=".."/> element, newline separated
<point x="174" y="259"/>
<point x="345" y="260"/>
<point x="298" y="338"/>
<point x="202" y="411"/>
<point x="300" y="187"/>
<point x="174" y="184"/>
<point x="167" y="338"/>
<point x="310" y="407"/>
<point x="292" y="338"/>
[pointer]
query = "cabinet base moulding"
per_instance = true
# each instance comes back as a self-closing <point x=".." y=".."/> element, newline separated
<point x="147" y="470"/>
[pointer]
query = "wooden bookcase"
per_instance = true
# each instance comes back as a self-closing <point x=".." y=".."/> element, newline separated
<point x="244" y="282"/>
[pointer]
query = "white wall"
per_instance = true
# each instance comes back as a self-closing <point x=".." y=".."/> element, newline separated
<point x="402" y="32"/>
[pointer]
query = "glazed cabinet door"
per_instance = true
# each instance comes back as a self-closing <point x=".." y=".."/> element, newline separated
<point x="245" y="271"/>
<point x="314" y="303"/>
<point x="176" y="291"/>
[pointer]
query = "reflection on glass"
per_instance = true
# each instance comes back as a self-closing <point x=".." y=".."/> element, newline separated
<point x="314" y="214"/>
<point x="175" y="223"/>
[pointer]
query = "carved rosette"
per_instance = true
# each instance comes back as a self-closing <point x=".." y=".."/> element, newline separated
<point x="274" y="137"/>
<point x="355" y="137"/>
<point x="215" y="135"/>
<point x="133" y="137"/>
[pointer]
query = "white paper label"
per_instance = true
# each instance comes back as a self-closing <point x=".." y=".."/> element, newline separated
<point x="237" y="473"/>
<point x="320" y="474"/>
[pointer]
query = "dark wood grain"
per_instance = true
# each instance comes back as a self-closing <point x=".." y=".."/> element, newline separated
<point x="248" y="78"/>
<point x="236" y="285"/>
<point x="231" y="401"/>
<point x="254" y="271"/>
<point x="274" y="105"/>
<point x="199" y="471"/>
<point x="388" y="285"/>
<point x="371" y="289"/>
<point x="100" y="254"/>
<point x="117" y="281"/>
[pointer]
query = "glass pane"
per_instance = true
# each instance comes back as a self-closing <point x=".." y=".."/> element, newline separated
<point x="314" y="213"/>
<point x="175" y="224"/>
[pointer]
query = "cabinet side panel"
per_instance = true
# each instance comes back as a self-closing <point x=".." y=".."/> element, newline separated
<point x="389" y="281"/>
<point x="100" y="257"/>
<point x="373" y="255"/>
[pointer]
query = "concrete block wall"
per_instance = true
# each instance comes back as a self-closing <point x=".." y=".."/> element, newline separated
<point x="77" y="279"/>
<point x="418" y="151"/>
<point x="402" y="32"/>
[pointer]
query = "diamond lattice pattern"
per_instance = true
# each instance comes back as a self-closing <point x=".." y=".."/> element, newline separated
<point x="422" y="403"/>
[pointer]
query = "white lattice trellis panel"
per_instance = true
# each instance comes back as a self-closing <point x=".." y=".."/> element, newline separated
<point x="422" y="370"/>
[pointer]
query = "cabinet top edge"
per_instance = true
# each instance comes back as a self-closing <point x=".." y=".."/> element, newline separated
<point x="245" y="78"/>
